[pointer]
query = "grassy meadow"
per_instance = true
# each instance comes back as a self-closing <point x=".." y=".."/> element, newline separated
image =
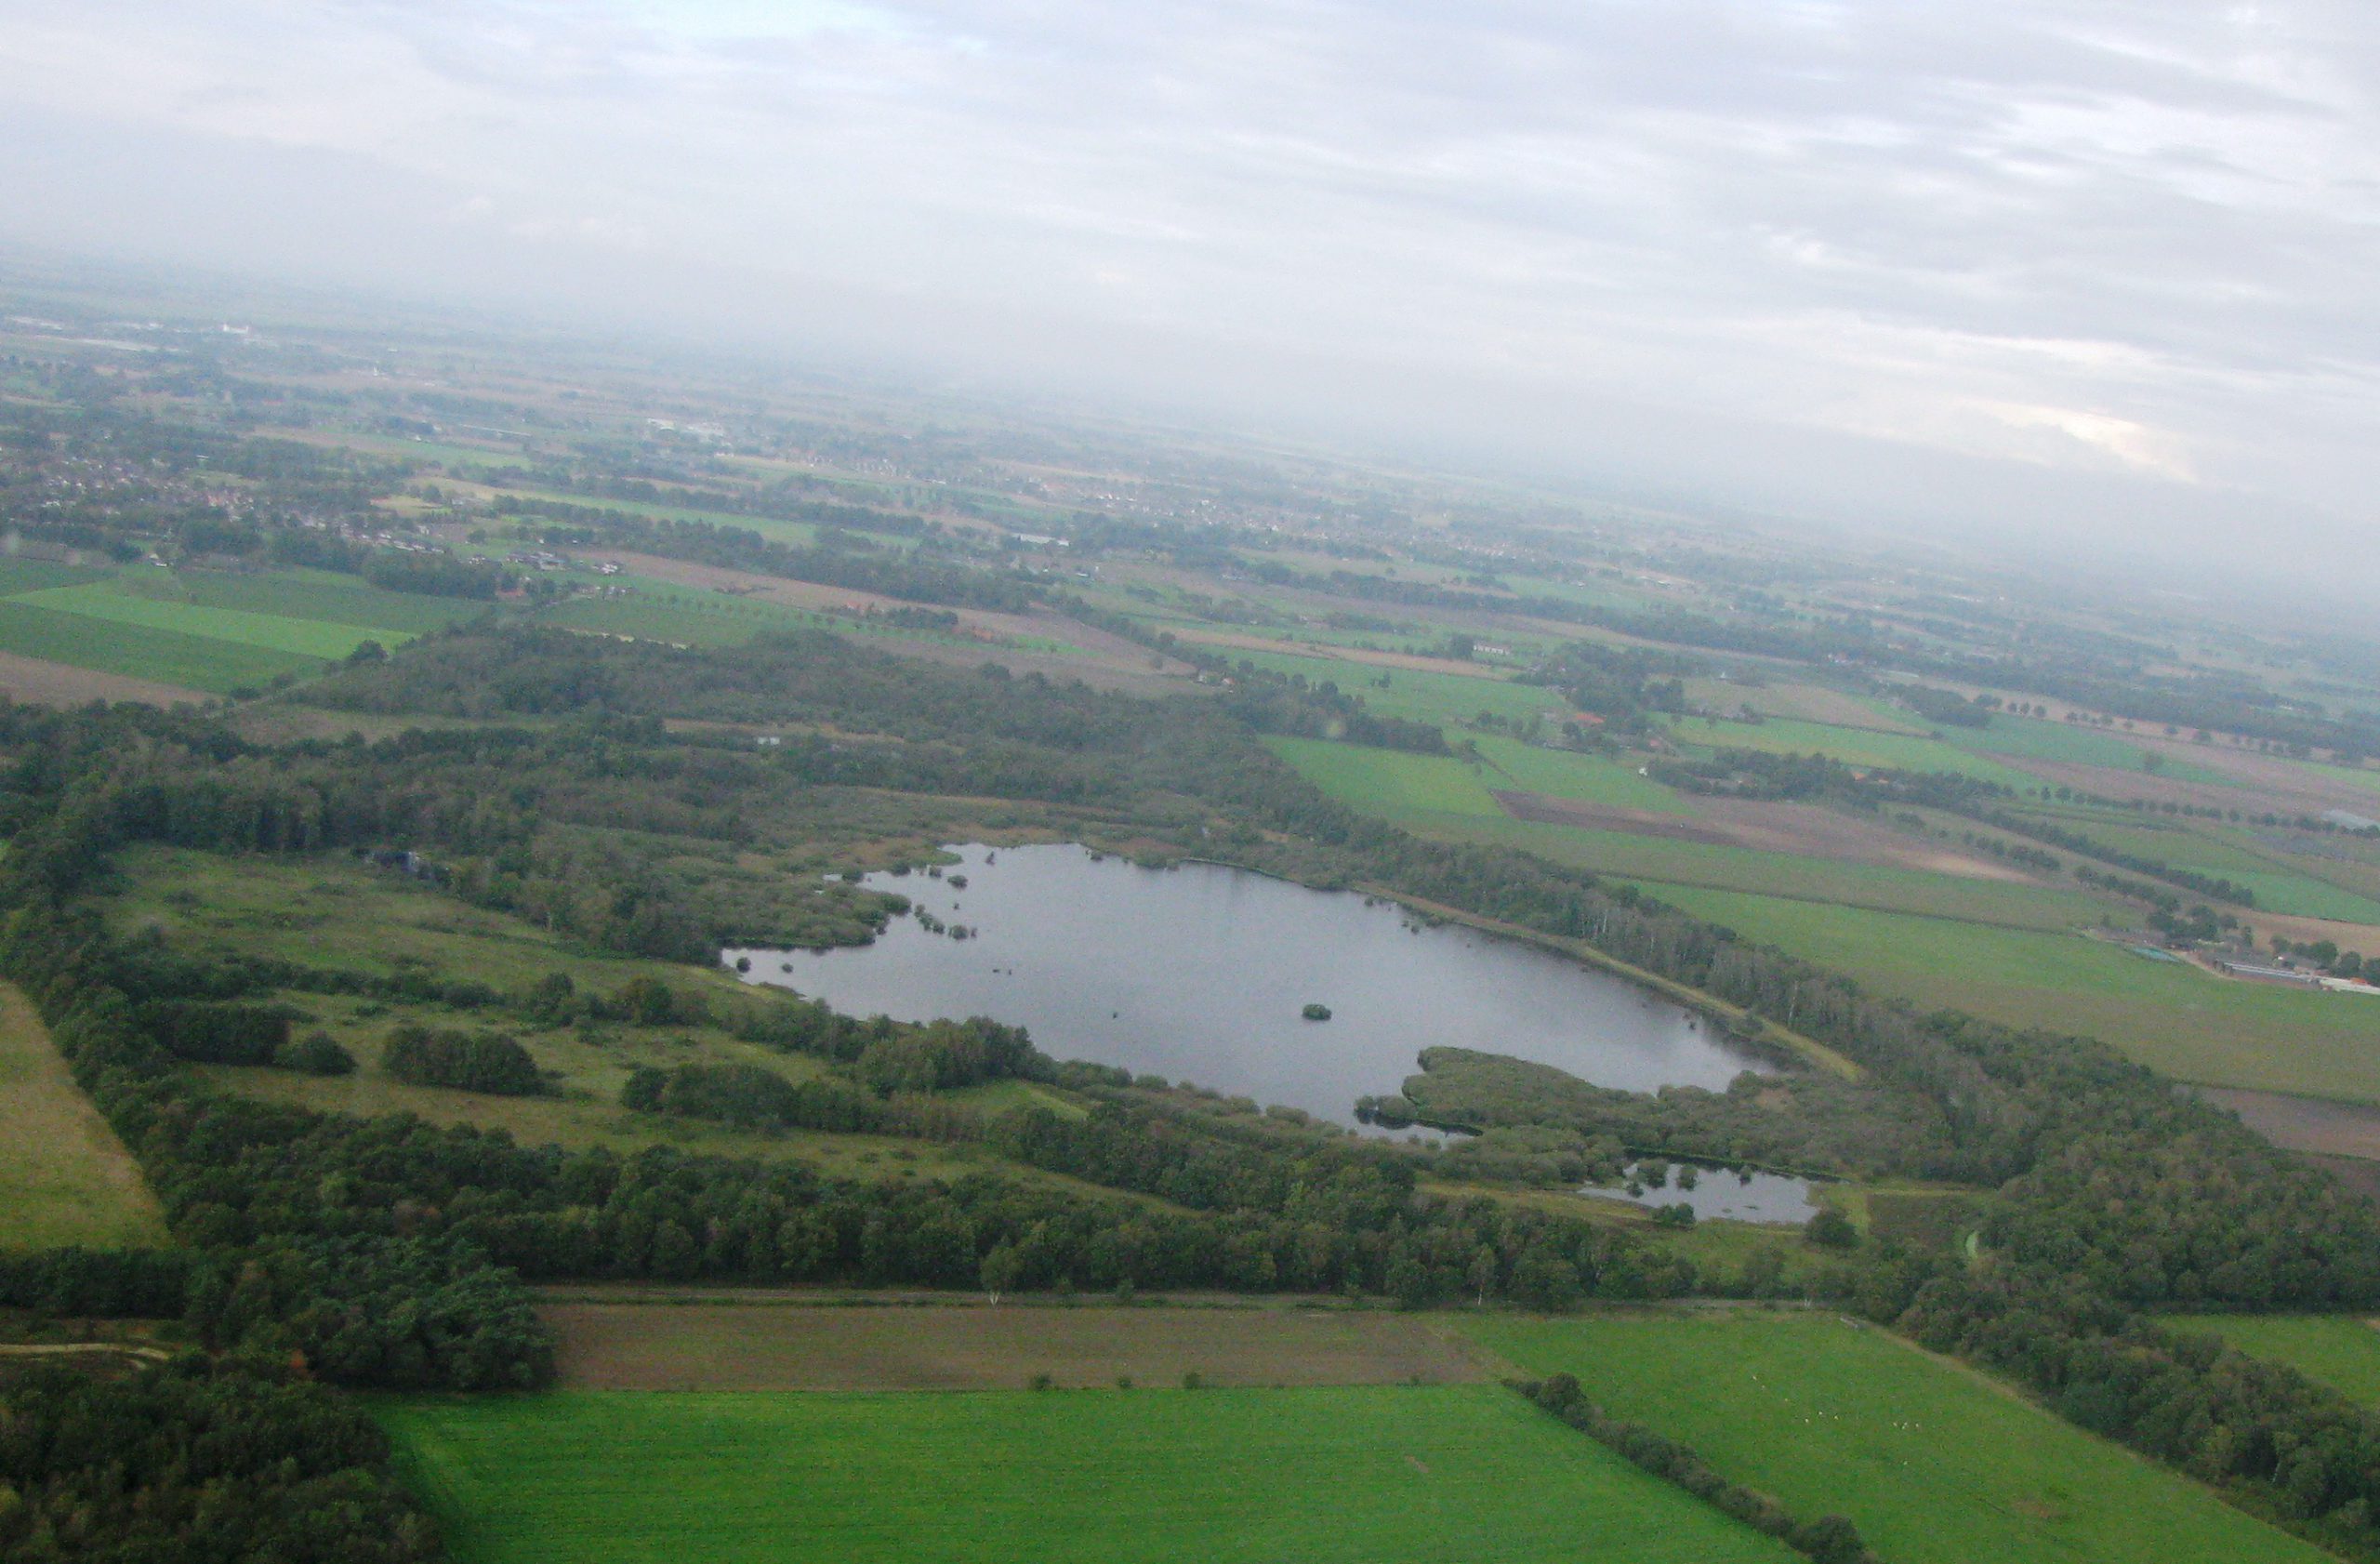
<point x="1858" y="746"/>
<point x="1934" y="1463"/>
<point x="2174" y="1017"/>
<point x="64" y="1177"/>
<point x="337" y="911"/>
<point x="197" y="662"/>
<point x="206" y="631"/>
<point x="1365" y="1474"/>
<point x="2341" y="1351"/>
<point x="1389" y="781"/>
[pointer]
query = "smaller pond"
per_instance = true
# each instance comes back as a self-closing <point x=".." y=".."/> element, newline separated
<point x="1719" y="1194"/>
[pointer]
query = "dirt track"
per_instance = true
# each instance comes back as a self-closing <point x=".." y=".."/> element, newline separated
<point x="781" y="1346"/>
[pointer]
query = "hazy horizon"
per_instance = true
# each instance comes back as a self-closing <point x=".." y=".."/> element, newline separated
<point x="2091" y="277"/>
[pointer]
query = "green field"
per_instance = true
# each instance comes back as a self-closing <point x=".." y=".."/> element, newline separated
<point x="1417" y="695"/>
<point x="270" y="630"/>
<point x="198" y="662"/>
<point x="1532" y="768"/>
<point x="1365" y="1474"/>
<point x="1388" y="781"/>
<point x="1745" y="868"/>
<point x="1935" y="1463"/>
<point x="1858" y="746"/>
<point x="33" y="575"/>
<point x="2310" y="889"/>
<point x="64" y="1177"/>
<point x="2341" y="1351"/>
<point x="2036" y="738"/>
<point x="329" y="598"/>
<point x="2174" y="1017"/>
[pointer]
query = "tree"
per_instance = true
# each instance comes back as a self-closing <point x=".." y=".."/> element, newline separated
<point x="1830" y="1229"/>
<point x="1481" y="1277"/>
<point x="1000" y="1271"/>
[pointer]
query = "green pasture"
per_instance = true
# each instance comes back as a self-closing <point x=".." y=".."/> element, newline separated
<point x="1364" y="1474"/>
<point x="332" y="599"/>
<point x="2354" y="776"/>
<point x="1812" y="703"/>
<point x="1934" y="1463"/>
<point x="2037" y="738"/>
<point x="1625" y="854"/>
<point x="2303" y="887"/>
<point x="1857" y="747"/>
<point x="269" y="631"/>
<point x="106" y="645"/>
<point x="1586" y="594"/>
<point x="1386" y="781"/>
<point x="1417" y="695"/>
<point x="65" y="1177"/>
<point x="1564" y="773"/>
<point x="2174" y="1017"/>
<point x="796" y="534"/>
<point x="18" y="577"/>
<point x="2339" y="1350"/>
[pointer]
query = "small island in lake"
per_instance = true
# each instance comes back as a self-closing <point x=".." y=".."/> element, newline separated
<point x="1316" y="1012"/>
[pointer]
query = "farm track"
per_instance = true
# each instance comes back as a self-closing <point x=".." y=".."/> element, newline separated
<point x="730" y="1346"/>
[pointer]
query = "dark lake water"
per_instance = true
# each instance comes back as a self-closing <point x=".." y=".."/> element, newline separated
<point x="1723" y="1194"/>
<point x="1198" y="973"/>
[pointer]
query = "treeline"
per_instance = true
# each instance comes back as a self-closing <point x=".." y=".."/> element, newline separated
<point x="195" y="1461"/>
<point x="889" y="573"/>
<point x="1624" y="685"/>
<point x="1946" y="707"/>
<point x="1801" y="1119"/>
<point x="2213" y="887"/>
<point x="1830" y="1539"/>
<point x="1758" y="774"/>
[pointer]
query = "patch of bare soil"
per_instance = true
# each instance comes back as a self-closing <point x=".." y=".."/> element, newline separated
<point x="1406" y="660"/>
<point x="2310" y="931"/>
<point x="763" y="1347"/>
<point x="1804" y="829"/>
<point x="1113" y="663"/>
<point x="2305" y="1123"/>
<point x="37" y="682"/>
<point x="2279" y="787"/>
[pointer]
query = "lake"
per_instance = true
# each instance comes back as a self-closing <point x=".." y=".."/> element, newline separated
<point x="1720" y="1194"/>
<point x="1199" y="972"/>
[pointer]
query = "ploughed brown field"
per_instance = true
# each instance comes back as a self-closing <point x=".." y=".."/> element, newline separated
<point x="2305" y="1123"/>
<point x="35" y="683"/>
<point x="774" y="1346"/>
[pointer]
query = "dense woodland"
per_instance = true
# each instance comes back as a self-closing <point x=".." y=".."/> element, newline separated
<point x="388" y="1251"/>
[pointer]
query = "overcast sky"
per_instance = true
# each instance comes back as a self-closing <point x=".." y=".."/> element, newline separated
<point x="2030" y="264"/>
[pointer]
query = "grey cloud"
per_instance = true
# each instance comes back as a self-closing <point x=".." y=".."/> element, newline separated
<point x="2072" y="245"/>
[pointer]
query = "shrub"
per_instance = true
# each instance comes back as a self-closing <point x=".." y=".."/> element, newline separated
<point x="315" y="1053"/>
<point x="487" y="1062"/>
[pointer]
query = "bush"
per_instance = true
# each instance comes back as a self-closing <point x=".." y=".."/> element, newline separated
<point x="487" y="1062"/>
<point x="217" y="1033"/>
<point x="1831" y="1229"/>
<point x="315" y="1053"/>
<point x="750" y="1097"/>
